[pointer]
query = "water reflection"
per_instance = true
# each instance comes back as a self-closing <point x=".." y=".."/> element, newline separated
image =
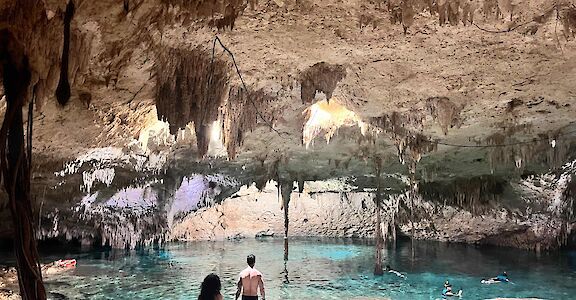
<point x="285" y="273"/>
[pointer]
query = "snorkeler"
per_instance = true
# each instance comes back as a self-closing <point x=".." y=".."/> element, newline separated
<point x="500" y="278"/>
<point x="447" y="291"/>
<point x="389" y="270"/>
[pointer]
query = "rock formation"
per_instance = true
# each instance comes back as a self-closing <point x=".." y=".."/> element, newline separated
<point x="175" y="106"/>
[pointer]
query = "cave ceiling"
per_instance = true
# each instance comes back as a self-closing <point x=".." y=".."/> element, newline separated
<point x="431" y="97"/>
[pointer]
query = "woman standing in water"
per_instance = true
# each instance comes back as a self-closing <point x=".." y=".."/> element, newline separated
<point x="210" y="288"/>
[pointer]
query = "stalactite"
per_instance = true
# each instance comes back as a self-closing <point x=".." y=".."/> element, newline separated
<point x="240" y="115"/>
<point x="453" y="12"/>
<point x="327" y="117"/>
<point x="407" y="14"/>
<point x="395" y="11"/>
<point x="473" y="194"/>
<point x="63" y="89"/>
<point x="322" y="77"/>
<point x="404" y="129"/>
<point x="190" y="89"/>
<point x="413" y="192"/>
<point x="301" y="182"/>
<point x="286" y="190"/>
<point x="445" y="112"/>
<point x="569" y="22"/>
<point x="442" y="11"/>
<point x="469" y="8"/>
<point x="548" y="149"/>
<point x="378" y="227"/>
<point x="220" y="14"/>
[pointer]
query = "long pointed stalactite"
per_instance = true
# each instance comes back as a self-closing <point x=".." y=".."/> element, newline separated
<point x="413" y="193"/>
<point x="63" y="89"/>
<point x="378" y="226"/>
<point x="286" y="191"/>
<point x="15" y="166"/>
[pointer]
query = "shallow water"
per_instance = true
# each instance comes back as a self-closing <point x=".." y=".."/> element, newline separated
<point x="317" y="269"/>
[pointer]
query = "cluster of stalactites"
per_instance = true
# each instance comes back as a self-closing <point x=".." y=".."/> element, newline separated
<point x="221" y="14"/>
<point x="473" y="194"/>
<point x="390" y="208"/>
<point x="445" y="112"/>
<point x="118" y="228"/>
<point x="463" y="12"/>
<point x="410" y="143"/>
<point x="550" y="149"/>
<point x="328" y="117"/>
<point x="321" y="77"/>
<point x="190" y="88"/>
<point x="241" y="113"/>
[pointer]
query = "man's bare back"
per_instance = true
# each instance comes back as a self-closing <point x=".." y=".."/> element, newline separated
<point x="250" y="282"/>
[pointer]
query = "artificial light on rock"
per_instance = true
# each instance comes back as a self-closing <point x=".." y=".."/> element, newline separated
<point x="215" y="131"/>
<point x="216" y="147"/>
<point x="328" y="117"/>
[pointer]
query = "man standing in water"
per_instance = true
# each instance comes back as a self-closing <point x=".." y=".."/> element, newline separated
<point x="250" y="280"/>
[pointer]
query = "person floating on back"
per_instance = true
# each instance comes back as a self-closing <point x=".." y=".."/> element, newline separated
<point x="250" y="281"/>
<point x="210" y="288"/>
<point x="389" y="270"/>
<point x="500" y="278"/>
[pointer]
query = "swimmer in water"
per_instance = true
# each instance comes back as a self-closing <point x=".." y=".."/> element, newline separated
<point x="500" y="278"/>
<point x="447" y="291"/>
<point x="389" y="270"/>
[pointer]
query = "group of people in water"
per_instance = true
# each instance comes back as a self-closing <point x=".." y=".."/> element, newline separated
<point x="249" y="283"/>
<point x="447" y="291"/>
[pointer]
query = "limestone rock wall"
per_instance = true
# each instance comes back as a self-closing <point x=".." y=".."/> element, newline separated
<point x="251" y="212"/>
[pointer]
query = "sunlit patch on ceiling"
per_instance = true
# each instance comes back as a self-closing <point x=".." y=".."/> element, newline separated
<point x="326" y="117"/>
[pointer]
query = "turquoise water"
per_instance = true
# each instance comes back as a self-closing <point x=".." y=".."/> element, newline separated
<point x="317" y="269"/>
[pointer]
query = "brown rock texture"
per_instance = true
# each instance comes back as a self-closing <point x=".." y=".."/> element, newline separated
<point x="458" y="94"/>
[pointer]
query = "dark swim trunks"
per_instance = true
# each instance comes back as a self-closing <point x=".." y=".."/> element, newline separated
<point x="244" y="297"/>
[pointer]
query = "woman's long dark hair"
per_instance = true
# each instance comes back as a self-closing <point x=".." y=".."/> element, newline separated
<point x="210" y="287"/>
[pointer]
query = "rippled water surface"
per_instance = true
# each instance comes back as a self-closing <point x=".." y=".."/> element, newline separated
<point x="317" y="269"/>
